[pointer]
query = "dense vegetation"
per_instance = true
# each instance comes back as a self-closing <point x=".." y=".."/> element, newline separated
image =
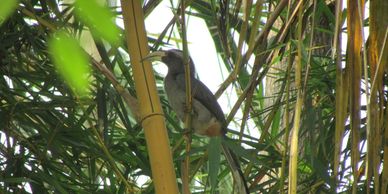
<point x="319" y="106"/>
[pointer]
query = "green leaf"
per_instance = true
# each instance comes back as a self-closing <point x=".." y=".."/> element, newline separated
<point x="238" y="150"/>
<point x="99" y="19"/>
<point x="70" y="61"/>
<point x="214" y="160"/>
<point x="7" y="7"/>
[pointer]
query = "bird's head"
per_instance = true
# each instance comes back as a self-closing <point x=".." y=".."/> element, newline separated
<point x="174" y="60"/>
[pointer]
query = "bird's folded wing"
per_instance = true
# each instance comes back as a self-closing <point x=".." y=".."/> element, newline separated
<point x="202" y="93"/>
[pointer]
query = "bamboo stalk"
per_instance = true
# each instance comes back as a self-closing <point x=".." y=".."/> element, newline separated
<point x="293" y="166"/>
<point x="163" y="174"/>
<point x="377" y="61"/>
<point x="287" y="130"/>
<point x="340" y="95"/>
<point x="187" y="136"/>
<point x="384" y="182"/>
<point x="353" y="63"/>
<point x="244" y="28"/>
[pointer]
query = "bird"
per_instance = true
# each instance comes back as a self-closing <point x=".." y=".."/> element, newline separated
<point x="207" y="117"/>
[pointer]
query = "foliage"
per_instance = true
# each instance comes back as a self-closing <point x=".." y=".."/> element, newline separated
<point x="54" y="140"/>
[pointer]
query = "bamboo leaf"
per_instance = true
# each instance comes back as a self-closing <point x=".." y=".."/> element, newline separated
<point x="99" y="19"/>
<point x="7" y="8"/>
<point x="214" y="150"/>
<point x="71" y="62"/>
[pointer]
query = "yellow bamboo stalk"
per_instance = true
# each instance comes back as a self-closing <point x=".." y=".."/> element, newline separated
<point x="378" y="52"/>
<point x="353" y="63"/>
<point x="287" y="130"/>
<point x="384" y="184"/>
<point x="255" y="23"/>
<point x="239" y="58"/>
<point x="163" y="174"/>
<point x="247" y="4"/>
<point x="374" y="124"/>
<point x="187" y="136"/>
<point x="341" y="98"/>
<point x="293" y="166"/>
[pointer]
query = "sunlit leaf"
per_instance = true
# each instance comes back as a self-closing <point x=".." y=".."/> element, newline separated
<point x="71" y="61"/>
<point x="99" y="19"/>
<point x="6" y="8"/>
<point x="214" y="160"/>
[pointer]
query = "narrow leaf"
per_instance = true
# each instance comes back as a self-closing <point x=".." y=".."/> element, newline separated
<point x="7" y="7"/>
<point x="98" y="18"/>
<point x="214" y="160"/>
<point x="71" y="61"/>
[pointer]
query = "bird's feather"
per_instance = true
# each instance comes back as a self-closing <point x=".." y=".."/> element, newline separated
<point x="202" y="93"/>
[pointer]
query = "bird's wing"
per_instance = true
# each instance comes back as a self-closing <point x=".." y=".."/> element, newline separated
<point x="201" y="93"/>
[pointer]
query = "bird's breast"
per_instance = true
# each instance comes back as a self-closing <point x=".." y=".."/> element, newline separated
<point x="176" y="96"/>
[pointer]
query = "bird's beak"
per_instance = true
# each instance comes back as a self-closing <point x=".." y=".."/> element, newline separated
<point x="155" y="56"/>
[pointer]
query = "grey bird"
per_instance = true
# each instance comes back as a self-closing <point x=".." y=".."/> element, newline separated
<point x="207" y="116"/>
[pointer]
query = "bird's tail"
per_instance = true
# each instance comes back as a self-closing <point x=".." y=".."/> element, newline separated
<point x="238" y="176"/>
